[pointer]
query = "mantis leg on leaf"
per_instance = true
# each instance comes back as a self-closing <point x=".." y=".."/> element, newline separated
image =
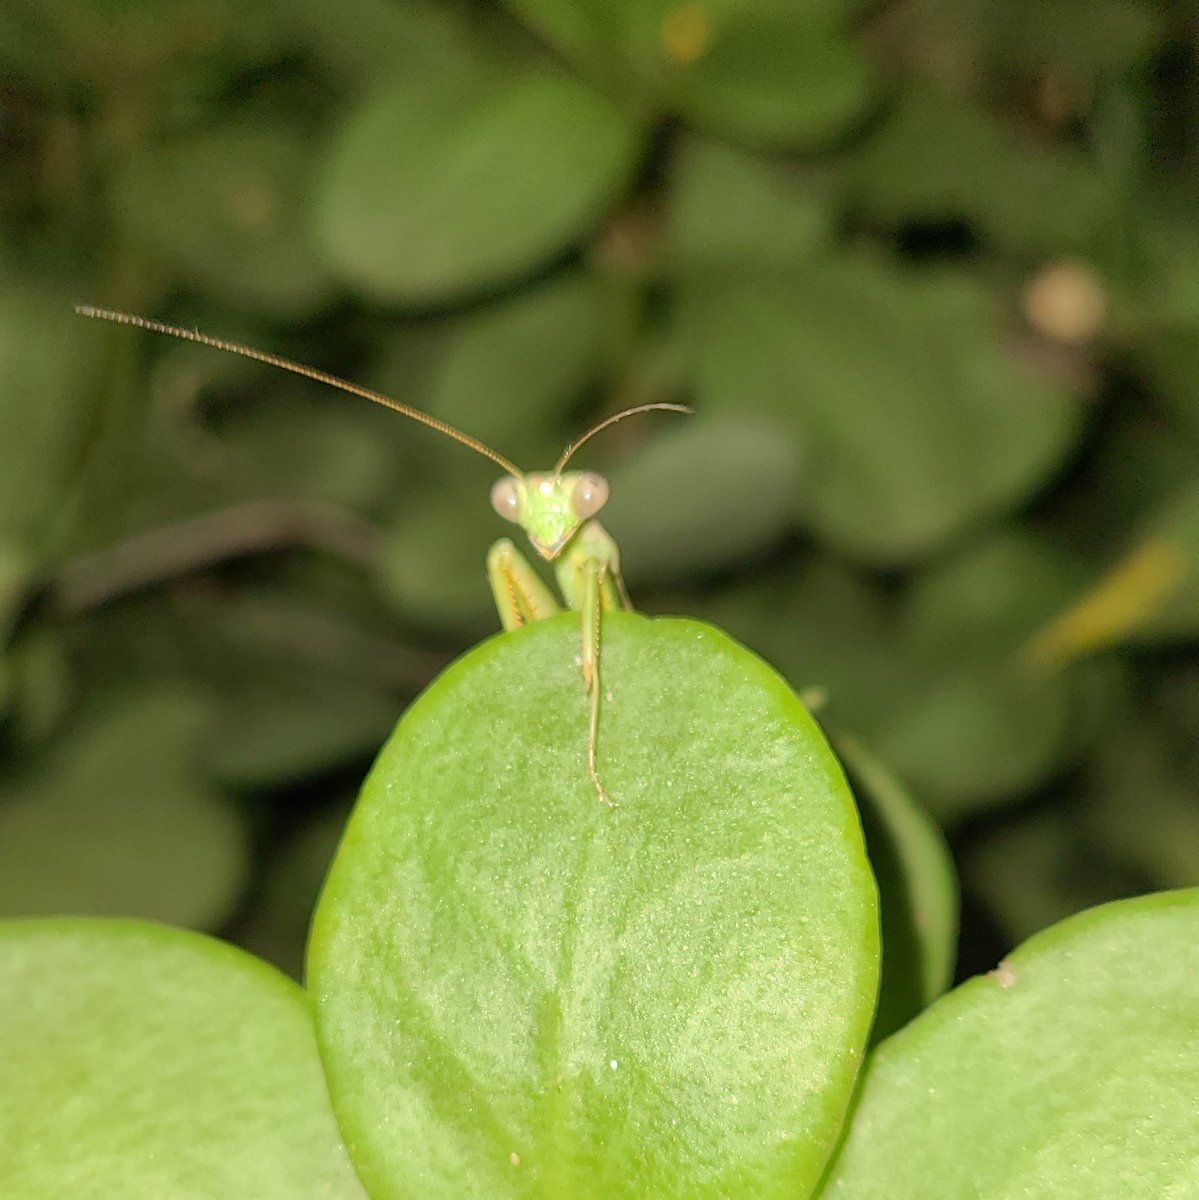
<point x="589" y="578"/>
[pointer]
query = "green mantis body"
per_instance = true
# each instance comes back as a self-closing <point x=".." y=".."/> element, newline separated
<point x="556" y="509"/>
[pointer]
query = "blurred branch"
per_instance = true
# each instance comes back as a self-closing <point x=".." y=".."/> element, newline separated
<point x="160" y="555"/>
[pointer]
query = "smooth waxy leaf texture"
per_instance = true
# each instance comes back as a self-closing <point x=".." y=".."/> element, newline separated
<point x="1071" y="1070"/>
<point x="145" y="1062"/>
<point x="448" y="184"/>
<point x="522" y="992"/>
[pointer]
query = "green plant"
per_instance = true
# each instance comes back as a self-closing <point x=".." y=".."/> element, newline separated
<point x="518" y="991"/>
<point x="928" y="274"/>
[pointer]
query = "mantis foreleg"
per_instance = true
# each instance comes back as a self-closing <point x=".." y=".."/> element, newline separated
<point x="588" y="573"/>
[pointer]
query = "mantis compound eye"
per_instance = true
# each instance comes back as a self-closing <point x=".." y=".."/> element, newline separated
<point x="589" y="496"/>
<point x="505" y="499"/>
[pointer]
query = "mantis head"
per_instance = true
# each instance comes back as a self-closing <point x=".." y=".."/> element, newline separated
<point x="550" y="506"/>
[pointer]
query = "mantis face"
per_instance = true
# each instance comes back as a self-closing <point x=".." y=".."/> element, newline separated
<point x="550" y="507"/>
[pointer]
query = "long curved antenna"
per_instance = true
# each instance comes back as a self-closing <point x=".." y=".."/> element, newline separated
<point x="657" y="406"/>
<point x="203" y="339"/>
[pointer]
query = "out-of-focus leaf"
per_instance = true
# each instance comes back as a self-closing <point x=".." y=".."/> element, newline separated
<point x="444" y="185"/>
<point x="978" y="721"/>
<point x="228" y="209"/>
<point x="728" y="207"/>
<point x="15" y="573"/>
<point x="1169" y="358"/>
<point x="304" y="688"/>
<point x="369" y="40"/>
<point x="187" y="48"/>
<point x="765" y="77"/>
<point x="992" y="595"/>
<point x="510" y="374"/>
<point x="146" y="1062"/>
<point x="938" y="159"/>
<point x="917" y="883"/>
<point x="702" y="496"/>
<point x="1040" y="868"/>
<point x="1173" y="707"/>
<point x="762" y="71"/>
<point x="678" y="988"/>
<point x="121" y="824"/>
<point x="1136" y="464"/>
<point x="41" y="680"/>
<point x="338" y="448"/>
<point x="974" y="732"/>
<point x="912" y="418"/>
<point x="1143" y="809"/>
<point x="824" y="628"/>
<point x="47" y="360"/>
<point x="287" y="725"/>
<point x="1172" y="242"/>
<point x="1072" y="1069"/>
<point x="1150" y="594"/>
<point x="434" y="567"/>
<point x="1082" y="35"/>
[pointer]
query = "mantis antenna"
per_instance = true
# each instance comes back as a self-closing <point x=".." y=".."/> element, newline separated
<point x="274" y="360"/>
<point x="555" y="511"/>
<point x="656" y="406"/>
<point x="353" y="389"/>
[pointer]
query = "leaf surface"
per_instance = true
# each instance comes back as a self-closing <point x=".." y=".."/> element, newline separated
<point x="521" y="992"/>
<point x="145" y="1062"/>
<point x="1071" y="1070"/>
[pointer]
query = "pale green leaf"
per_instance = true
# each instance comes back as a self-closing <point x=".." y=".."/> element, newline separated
<point x="523" y="992"/>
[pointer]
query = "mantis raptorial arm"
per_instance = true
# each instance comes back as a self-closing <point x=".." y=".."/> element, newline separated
<point x="589" y="575"/>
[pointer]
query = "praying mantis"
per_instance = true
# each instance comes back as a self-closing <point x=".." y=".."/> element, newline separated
<point x="555" y="508"/>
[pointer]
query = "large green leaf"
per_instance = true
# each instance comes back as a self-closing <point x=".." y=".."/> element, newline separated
<point x="145" y="1062"/>
<point x="1071" y="1070"/>
<point x="522" y="992"/>
<point x="912" y="417"/>
<point x="448" y="183"/>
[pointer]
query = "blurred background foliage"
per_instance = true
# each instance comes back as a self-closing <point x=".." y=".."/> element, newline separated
<point x="928" y="271"/>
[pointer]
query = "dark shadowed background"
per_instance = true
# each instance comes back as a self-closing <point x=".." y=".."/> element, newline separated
<point x="928" y="270"/>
